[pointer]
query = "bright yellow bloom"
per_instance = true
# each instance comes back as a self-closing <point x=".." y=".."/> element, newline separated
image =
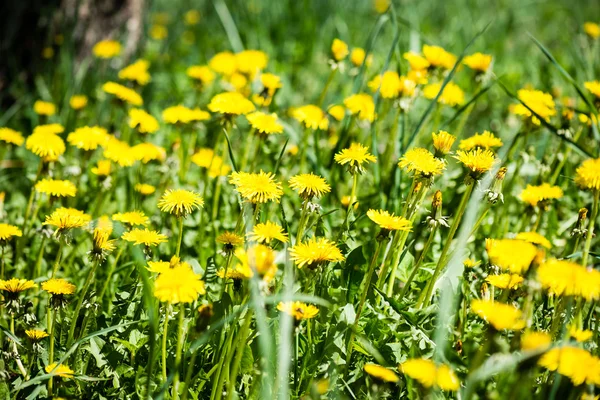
<point x="533" y="195"/>
<point x="311" y="116"/>
<point x="339" y="50"/>
<point x="146" y="152"/>
<point x="500" y="316"/>
<point x="381" y="6"/>
<point x="159" y="32"/>
<point x="107" y="49"/>
<point x="259" y="258"/>
<point x="357" y="57"/>
<point x="264" y="123"/>
<point x="224" y="63"/>
<point x="192" y="17"/>
<point x="179" y="284"/>
<point x="389" y="84"/>
<point x="56" y="188"/>
<point x="132" y="218"/>
<point x="505" y="281"/>
<point x="593" y="87"/>
<point x="58" y="287"/>
<point x="361" y="105"/>
<point x="144" y="236"/>
<point x="44" y="108"/>
<point x="535" y="238"/>
<point x="158" y="267"/>
<point x="232" y="103"/>
<point x="510" y="254"/>
<point x="315" y="252"/>
<point x="354" y="157"/>
<point x="577" y="364"/>
<point x="230" y="240"/>
<point x="180" y="202"/>
<point x="11" y="136"/>
<point x="15" y="285"/>
<point x="381" y="373"/>
<point x="144" y="188"/>
<point x="182" y="114"/>
<point x="142" y="121"/>
<point x="88" y="137"/>
<point x="266" y="232"/>
<point x="428" y="374"/>
<point x="8" y="231"/>
<point x="78" y="101"/>
<point x="567" y="278"/>
<point x="479" y="62"/>
<point x="442" y="142"/>
<point x="119" y="152"/>
<point x="422" y="163"/>
<point x="67" y="218"/>
<point x="592" y="29"/>
<point x="103" y="168"/>
<point x="438" y="57"/>
<point x="309" y="185"/>
<point x="201" y="73"/>
<point x="471" y="263"/>
<point x="451" y="96"/>
<point x="62" y="370"/>
<point x="250" y="62"/>
<point x="138" y="72"/>
<point x="541" y="103"/>
<point x="535" y="340"/>
<point x="257" y="188"/>
<point x="48" y="129"/>
<point x="580" y="335"/>
<point x="102" y="244"/>
<point x="123" y="93"/>
<point x="48" y="146"/>
<point x="338" y="112"/>
<point x="36" y="334"/>
<point x="477" y="161"/>
<point x="298" y="310"/>
<point x="388" y="221"/>
<point x="485" y="140"/>
<point x="416" y="61"/>
<point x="588" y="174"/>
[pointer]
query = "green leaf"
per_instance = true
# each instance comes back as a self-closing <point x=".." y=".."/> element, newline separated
<point x="247" y="365"/>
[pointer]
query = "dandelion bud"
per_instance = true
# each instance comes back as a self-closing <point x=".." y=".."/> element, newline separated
<point x="494" y="193"/>
<point x="580" y="229"/>
<point x="436" y="218"/>
<point x="442" y="143"/>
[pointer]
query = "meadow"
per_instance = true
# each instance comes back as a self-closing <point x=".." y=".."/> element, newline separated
<point x="306" y="200"/>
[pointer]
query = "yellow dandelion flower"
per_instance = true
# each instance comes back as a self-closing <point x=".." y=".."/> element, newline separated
<point x="48" y="146"/>
<point x="471" y="263"/>
<point x="592" y="29"/>
<point x="587" y="175"/>
<point x="88" y="137"/>
<point x="388" y="221"/>
<point x="271" y="82"/>
<point x="11" y="136"/>
<point x="44" y="108"/>
<point x="315" y="252"/>
<point x="144" y="189"/>
<point x="123" y="93"/>
<point x="339" y="50"/>
<point x="477" y="161"/>
<point x="107" y="49"/>
<point x="137" y="72"/>
<point x="132" y="218"/>
<point x="201" y="73"/>
<point x="146" y="152"/>
<point x="451" y="96"/>
<point x="182" y="114"/>
<point x="259" y="258"/>
<point x="158" y="267"/>
<point x="266" y="232"/>
<point x="61" y="370"/>
<point x="311" y="117"/>
<point x="442" y="142"/>
<point x="566" y="278"/>
<point x="231" y="103"/>
<point x="580" y="335"/>
<point x="144" y="236"/>
<point x="298" y="310"/>
<point x="56" y="187"/>
<point x="500" y="316"/>
<point x="159" y="32"/>
<point x="309" y="185"/>
<point x="577" y="364"/>
<point x="381" y="373"/>
<point x="505" y="281"/>
<point x="223" y="63"/>
<point x="179" y="284"/>
<point x="48" y="129"/>
<point x="257" y="188"/>
<point x="264" y="123"/>
<point x="103" y="245"/>
<point x="541" y="103"/>
<point x="15" y="285"/>
<point x="485" y="140"/>
<point x="67" y="218"/>
<point x="422" y="163"/>
<point x="416" y="61"/>
<point x="531" y="340"/>
<point x="250" y="62"/>
<point x="361" y="105"/>
<point x="8" y="231"/>
<point x="438" y="57"/>
<point x="103" y="168"/>
<point x="593" y="87"/>
<point x="142" y="121"/>
<point x="119" y="152"/>
<point x="535" y="238"/>
<point x="354" y="157"/>
<point x="230" y="240"/>
<point x="338" y="112"/>
<point x="478" y="62"/>
<point x="180" y="202"/>
<point x="534" y="195"/>
<point x="78" y="101"/>
<point x="36" y="334"/>
<point x="58" y="287"/>
<point x="357" y="57"/>
<point x="192" y="17"/>
<point x="428" y="374"/>
<point x="510" y="254"/>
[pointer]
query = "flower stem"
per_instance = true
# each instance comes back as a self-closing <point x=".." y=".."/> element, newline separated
<point x="326" y="87"/>
<point x="419" y="262"/>
<point x="302" y="222"/>
<point x="58" y="256"/>
<point x="82" y="294"/>
<point x="239" y="353"/>
<point x="180" y="237"/>
<point x="590" y="231"/>
<point x="109" y="274"/>
<point x="178" y="351"/>
<point x="52" y="320"/>
<point x="164" y="342"/>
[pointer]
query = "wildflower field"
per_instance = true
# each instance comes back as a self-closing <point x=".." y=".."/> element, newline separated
<point x="305" y="200"/>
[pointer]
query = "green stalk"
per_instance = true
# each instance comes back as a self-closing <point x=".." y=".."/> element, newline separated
<point x="419" y="262"/>
<point x="590" y="232"/>
<point x="61" y="244"/>
<point x="109" y="274"/>
<point x="82" y="294"/>
<point x="385" y="267"/>
<point x="227" y="265"/>
<point x="180" y="237"/>
<point x="51" y="350"/>
<point x="426" y="294"/>
<point x="178" y="350"/>
<point x="223" y="365"/>
<point x="164" y="343"/>
<point x="326" y="87"/>
<point x="239" y="353"/>
<point x="353" y="192"/>
<point x="302" y="222"/>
